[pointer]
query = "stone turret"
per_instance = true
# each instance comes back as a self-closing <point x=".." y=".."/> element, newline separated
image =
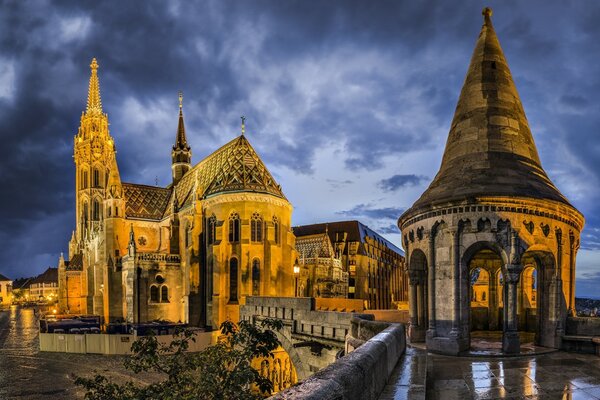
<point x="491" y="208"/>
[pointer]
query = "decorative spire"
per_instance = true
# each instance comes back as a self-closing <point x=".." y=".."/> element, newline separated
<point x="181" y="155"/>
<point x="131" y="245"/>
<point x="94" y="103"/>
<point x="181" y="140"/>
<point x="243" y="125"/>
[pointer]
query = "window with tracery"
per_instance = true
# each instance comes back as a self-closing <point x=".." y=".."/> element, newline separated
<point x="233" y="280"/>
<point x="212" y="230"/>
<point x="96" y="178"/>
<point x="234" y="228"/>
<point x="256" y="228"/>
<point x="164" y="294"/>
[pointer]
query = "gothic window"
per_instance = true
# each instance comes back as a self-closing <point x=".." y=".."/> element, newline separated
<point x="276" y="229"/>
<point x="164" y="294"/>
<point x="256" y="228"/>
<point x="212" y="229"/>
<point x="109" y="211"/>
<point x="84" y="179"/>
<point x="256" y="277"/>
<point x="116" y="211"/>
<point x="154" y="294"/>
<point x="234" y="228"/>
<point x="96" y="211"/>
<point x="233" y="280"/>
<point x="96" y="178"/>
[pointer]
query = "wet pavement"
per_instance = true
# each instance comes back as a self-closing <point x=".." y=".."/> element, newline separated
<point x="27" y="373"/>
<point x="556" y="375"/>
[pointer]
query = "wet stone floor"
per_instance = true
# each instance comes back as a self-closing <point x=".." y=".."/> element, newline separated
<point x="27" y="373"/>
<point x="556" y="375"/>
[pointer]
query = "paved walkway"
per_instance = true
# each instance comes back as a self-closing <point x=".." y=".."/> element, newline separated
<point x="26" y="373"/>
<point x="557" y="375"/>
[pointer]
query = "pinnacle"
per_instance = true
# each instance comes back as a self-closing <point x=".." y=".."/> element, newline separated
<point x="487" y="12"/>
<point x="94" y="102"/>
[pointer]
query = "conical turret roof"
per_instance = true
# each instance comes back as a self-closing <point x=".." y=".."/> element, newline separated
<point x="490" y="150"/>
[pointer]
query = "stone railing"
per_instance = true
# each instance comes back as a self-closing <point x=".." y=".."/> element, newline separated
<point x="582" y="335"/>
<point x="158" y="257"/>
<point x="375" y="349"/>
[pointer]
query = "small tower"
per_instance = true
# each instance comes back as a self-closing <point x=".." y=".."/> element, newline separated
<point x="182" y="153"/>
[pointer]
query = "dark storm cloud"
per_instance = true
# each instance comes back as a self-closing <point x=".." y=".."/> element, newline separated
<point x="376" y="81"/>
<point x="399" y="181"/>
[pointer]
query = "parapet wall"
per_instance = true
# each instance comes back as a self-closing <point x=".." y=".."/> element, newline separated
<point x="361" y="374"/>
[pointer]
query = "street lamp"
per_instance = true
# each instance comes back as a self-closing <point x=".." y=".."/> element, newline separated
<point x="296" y="273"/>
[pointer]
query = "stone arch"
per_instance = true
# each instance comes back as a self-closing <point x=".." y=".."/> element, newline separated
<point x="418" y="303"/>
<point x="549" y="296"/>
<point x="302" y="369"/>
<point x="476" y="247"/>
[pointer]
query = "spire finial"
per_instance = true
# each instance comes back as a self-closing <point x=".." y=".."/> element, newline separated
<point x="487" y="12"/>
<point x="243" y="124"/>
<point x="180" y="100"/>
<point x="94" y="103"/>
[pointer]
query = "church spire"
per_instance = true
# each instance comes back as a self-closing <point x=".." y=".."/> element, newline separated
<point x="182" y="154"/>
<point x="94" y="102"/>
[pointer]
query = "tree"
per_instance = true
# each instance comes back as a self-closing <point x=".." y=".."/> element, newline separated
<point x="221" y="371"/>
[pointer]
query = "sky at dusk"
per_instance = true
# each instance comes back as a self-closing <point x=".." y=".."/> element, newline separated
<point x="349" y="103"/>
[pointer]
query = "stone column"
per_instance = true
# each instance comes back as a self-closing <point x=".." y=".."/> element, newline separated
<point x="415" y="331"/>
<point x="457" y="281"/>
<point x="431" y="286"/>
<point x="493" y="302"/>
<point x="510" y="336"/>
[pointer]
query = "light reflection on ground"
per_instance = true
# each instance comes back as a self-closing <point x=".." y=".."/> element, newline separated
<point x="25" y="373"/>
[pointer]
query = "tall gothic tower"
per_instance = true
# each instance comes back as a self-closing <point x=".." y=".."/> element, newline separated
<point x="182" y="153"/>
<point x="94" y="152"/>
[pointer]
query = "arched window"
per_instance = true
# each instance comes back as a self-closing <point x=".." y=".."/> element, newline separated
<point x="164" y="294"/>
<point x="84" y="179"/>
<point x="233" y="280"/>
<point x="154" y="294"/>
<point x="256" y="228"/>
<point x="96" y="210"/>
<point x="212" y="230"/>
<point x="276" y="229"/>
<point x="96" y="178"/>
<point x="256" y="277"/>
<point x="234" y="228"/>
<point x="109" y="211"/>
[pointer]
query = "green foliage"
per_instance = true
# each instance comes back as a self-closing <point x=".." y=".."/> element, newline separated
<point x="221" y="371"/>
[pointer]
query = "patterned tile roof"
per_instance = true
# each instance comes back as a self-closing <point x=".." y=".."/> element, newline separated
<point x="75" y="263"/>
<point x="234" y="167"/>
<point x="314" y="246"/>
<point x="148" y="202"/>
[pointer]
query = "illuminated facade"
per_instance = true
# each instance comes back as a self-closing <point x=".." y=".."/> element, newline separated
<point x="187" y="252"/>
<point x="490" y="211"/>
<point x="5" y="290"/>
<point x="376" y="268"/>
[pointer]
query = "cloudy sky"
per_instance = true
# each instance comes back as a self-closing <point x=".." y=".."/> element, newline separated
<point x="349" y="103"/>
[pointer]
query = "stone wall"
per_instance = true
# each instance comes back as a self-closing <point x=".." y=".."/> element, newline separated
<point x="361" y="374"/>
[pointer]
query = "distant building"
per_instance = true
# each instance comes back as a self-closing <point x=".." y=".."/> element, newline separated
<point x="20" y="289"/>
<point x="321" y="273"/>
<point x="45" y="286"/>
<point x="5" y="290"/>
<point x="374" y="265"/>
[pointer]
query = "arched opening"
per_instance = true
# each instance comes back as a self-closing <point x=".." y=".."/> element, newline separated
<point x="417" y="271"/>
<point x="164" y="294"/>
<point x="256" y="228"/>
<point x="234" y="228"/>
<point x="154" y="294"/>
<point x="233" y="280"/>
<point x="279" y="369"/>
<point x="256" y="277"/>
<point x="485" y="271"/>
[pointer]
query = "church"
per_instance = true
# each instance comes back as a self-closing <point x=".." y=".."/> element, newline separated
<point x="189" y="252"/>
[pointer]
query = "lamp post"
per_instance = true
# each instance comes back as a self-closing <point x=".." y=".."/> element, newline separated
<point x="296" y="272"/>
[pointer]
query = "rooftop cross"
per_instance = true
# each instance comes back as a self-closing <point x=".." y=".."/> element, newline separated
<point x="243" y="124"/>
